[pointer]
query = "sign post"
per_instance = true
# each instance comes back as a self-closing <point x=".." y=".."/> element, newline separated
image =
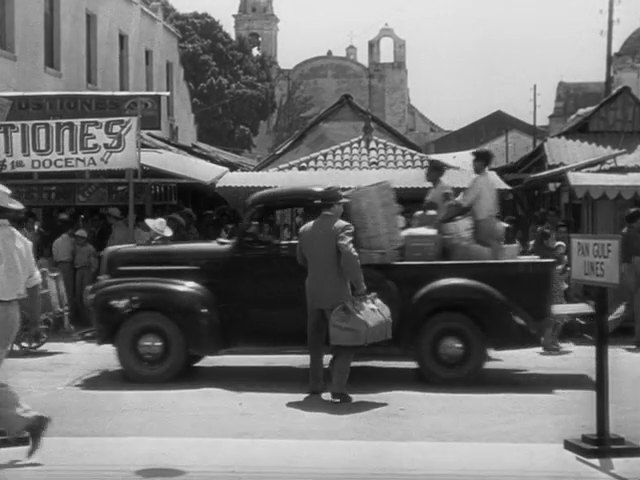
<point x="595" y="261"/>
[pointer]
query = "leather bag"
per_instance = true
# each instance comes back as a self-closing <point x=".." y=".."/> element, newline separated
<point x="360" y="321"/>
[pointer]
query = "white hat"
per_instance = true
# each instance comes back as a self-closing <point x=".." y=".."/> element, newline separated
<point x="81" y="233"/>
<point x="159" y="226"/>
<point x="6" y="201"/>
<point x="115" y="213"/>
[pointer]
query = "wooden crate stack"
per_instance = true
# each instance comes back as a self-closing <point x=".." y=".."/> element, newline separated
<point x="374" y="211"/>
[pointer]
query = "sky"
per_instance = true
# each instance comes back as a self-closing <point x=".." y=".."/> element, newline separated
<point x="466" y="58"/>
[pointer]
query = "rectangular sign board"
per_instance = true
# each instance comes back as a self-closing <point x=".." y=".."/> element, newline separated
<point x="29" y="107"/>
<point x="595" y="260"/>
<point x="69" y="145"/>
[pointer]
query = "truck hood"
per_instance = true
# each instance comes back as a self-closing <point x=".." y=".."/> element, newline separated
<point x="171" y="254"/>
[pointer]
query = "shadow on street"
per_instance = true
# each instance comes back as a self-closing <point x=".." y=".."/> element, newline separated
<point x="363" y="380"/>
<point x="316" y="404"/>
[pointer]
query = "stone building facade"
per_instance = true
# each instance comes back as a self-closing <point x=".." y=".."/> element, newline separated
<point x="308" y="88"/>
<point x="94" y="45"/>
<point x="573" y="97"/>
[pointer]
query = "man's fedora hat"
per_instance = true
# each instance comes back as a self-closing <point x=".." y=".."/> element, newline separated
<point x="115" y="213"/>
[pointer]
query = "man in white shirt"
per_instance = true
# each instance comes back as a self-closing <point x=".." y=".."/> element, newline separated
<point x="62" y="251"/>
<point x="481" y="198"/>
<point x="440" y="194"/>
<point x="19" y="278"/>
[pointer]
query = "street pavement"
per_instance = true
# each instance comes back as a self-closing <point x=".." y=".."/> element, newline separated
<point x="246" y="416"/>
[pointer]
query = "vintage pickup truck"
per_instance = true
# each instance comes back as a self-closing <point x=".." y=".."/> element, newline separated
<point x="165" y="307"/>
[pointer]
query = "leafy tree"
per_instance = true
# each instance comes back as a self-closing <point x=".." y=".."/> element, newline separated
<point x="168" y="10"/>
<point x="232" y="90"/>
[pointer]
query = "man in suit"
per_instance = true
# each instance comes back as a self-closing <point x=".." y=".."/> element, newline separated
<point x="326" y="250"/>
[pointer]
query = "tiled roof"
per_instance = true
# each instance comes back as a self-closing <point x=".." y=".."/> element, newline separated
<point x="358" y="154"/>
<point x="344" y="103"/>
<point x="404" y="178"/>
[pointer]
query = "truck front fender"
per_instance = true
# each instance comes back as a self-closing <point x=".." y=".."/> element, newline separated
<point x="191" y="306"/>
<point x="504" y="323"/>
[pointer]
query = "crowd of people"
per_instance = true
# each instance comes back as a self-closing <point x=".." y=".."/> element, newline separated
<point x="73" y="244"/>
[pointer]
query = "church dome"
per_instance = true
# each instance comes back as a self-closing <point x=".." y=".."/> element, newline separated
<point x="631" y="46"/>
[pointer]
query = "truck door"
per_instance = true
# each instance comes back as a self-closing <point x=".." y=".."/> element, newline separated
<point x="273" y="291"/>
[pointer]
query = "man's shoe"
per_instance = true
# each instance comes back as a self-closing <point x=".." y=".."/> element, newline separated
<point x="341" y="398"/>
<point x="317" y="391"/>
<point x="36" y="430"/>
<point x="552" y="348"/>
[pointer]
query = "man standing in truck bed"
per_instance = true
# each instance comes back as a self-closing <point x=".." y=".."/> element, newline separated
<point x="326" y="250"/>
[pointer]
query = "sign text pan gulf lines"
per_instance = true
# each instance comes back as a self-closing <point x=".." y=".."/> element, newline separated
<point x="594" y="255"/>
<point x="58" y="145"/>
<point x="595" y="259"/>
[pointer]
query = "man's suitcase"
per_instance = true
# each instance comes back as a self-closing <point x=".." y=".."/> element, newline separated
<point x="360" y="321"/>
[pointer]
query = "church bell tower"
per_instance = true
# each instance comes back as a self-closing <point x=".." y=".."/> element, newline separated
<point x="257" y="22"/>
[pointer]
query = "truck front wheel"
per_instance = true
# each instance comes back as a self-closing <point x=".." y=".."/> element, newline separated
<point x="451" y="348"/>
<point x="151" y="348"/>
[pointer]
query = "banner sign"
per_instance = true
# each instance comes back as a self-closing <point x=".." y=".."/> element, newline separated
<point x="92" y="194"/>
<point x="68" y="145"/>
<point x="595" y="260"/>
<point x="25" y="108"/>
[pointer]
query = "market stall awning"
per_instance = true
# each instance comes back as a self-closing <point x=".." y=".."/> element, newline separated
<point x="556" y="173"/>
<point x="182" y="166"/>
<point x="400" y="179"/>
<point x="462" y="160"/>
<point x="610" y="185"/>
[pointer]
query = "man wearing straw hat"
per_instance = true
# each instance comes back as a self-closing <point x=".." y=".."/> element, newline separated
<point x="159" y="230"/>
<point x="19" y="277"/>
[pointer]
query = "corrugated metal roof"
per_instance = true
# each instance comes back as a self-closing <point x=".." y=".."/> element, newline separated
<point x="562" y="151"/>
<point x="403" y="178"/>
<point x="610" y="184"/>
<point x="359" y="154"/>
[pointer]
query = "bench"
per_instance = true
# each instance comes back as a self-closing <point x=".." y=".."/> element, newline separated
<point x="574" y="310"/>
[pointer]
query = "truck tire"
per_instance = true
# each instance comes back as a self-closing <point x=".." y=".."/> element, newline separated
<point x="451" y="348"/>
<point x="151" y="348"/>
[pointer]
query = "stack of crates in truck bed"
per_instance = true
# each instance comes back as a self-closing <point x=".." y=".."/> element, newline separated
<point x="374" y="211"/>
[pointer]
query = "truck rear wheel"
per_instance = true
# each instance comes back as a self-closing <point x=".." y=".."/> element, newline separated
<point x="151" y="348"/>
<point x="451" y="348"/>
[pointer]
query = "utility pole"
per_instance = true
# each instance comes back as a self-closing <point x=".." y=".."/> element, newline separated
<point x="535" y="115"/>
<point x="608" y="82"/>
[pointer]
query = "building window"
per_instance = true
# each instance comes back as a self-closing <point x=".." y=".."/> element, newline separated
<point x="148" y="68"/>
<point x="123" y="61"/>
<point x="52" y="34"/>
<point x="92" y="49"/>
<point x="7" y="23"/>
<point x="170" y="102"/>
